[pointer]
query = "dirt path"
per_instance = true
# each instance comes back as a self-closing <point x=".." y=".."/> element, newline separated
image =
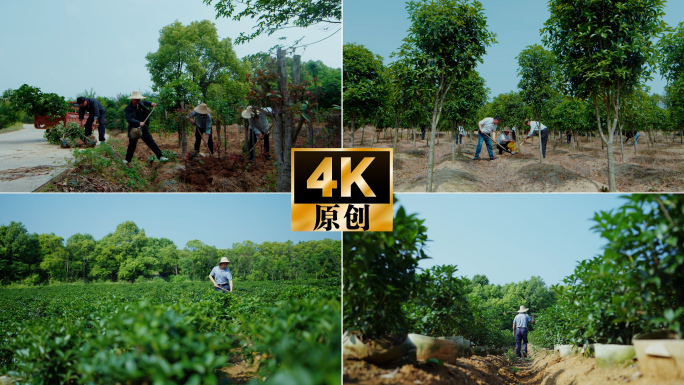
<point x="653" y="168"/>
<point x="541" y="369"/>
<point x="27" y="160"/>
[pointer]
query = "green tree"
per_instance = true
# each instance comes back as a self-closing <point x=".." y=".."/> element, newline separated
<point x="461" y="105"/>
<point x="274" y="15"/>
<point x="537" y="71"/>
<point x="604" y="49"/>
<point x="81" y="248"/>
<point x="480" y="279"/>
<point x="19" y="253"/>
<point x="446" y="40"/>
<point x="55" y="259"/>
<point x="364" y="86"/>
<point x="194" y="50"/>
<point x="380" y="274"/>
<point x="9" y="113"/>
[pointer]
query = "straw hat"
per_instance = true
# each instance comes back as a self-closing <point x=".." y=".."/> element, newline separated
<point x="224" y="260"/>
<point x="202" y="109"/>
<point x="136" y="95"/>
<point x="523" y="309"/>
<point x="248" y="113"/>
<point x="507" y="129"/>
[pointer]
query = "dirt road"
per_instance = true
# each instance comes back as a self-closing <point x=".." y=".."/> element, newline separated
<point x="541" y="369"/>
<point x="27" y="160"/>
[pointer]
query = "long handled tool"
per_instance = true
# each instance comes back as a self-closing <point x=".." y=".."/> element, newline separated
<point x="226" y="290"/>
<point x="258" y="141"/>
<point x="206" y="144"/>
<point x="497" y="143"/>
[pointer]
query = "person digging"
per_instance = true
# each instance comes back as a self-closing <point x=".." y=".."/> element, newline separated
<point x="224" y="280"/>
<point x="506" y="142"/>
<point x="200" y="117"/>
<point x="535" y="128"/>
<point x="95" y="111"/>
<point x="258" y="127"/>
<point x="136" y="114"/>
<point x="486" y="126"/>
<point x="520" y="323"/>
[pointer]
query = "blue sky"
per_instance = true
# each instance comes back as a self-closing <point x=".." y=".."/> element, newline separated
<point x="68" y="46"/>
<point x="215" y="219"/>
<point x="510" y="237"/>
<point x="380" y="25"/>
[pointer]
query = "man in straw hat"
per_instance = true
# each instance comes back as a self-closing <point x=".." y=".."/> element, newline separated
<point x="520" y="329"/>
<point x="258" y="126"/>
<point x="136" y="114"/>
<point x="507" y="141"/>
<point x="200" y="117"/>
<point x="224" y="280"/>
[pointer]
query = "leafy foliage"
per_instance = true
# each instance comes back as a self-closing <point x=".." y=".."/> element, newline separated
<point x="273" y="15"/>
<point x="36" y="103"/>
<point x="170" y="333"/>
<point x="128" y="254"/>
<point x="380" y="274"/>
<point x="71" y="131"/>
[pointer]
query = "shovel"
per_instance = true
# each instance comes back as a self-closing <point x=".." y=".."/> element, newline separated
<point x="502" y="147"/>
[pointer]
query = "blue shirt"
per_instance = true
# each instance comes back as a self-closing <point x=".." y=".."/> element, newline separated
<point x="521" y="320"/>
<point x="221" y="276"/>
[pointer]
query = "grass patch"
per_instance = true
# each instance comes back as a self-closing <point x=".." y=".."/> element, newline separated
<point x="106" y="161"/>
<point x="15" y="127"/>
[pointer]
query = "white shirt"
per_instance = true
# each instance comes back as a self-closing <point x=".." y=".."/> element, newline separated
<point x="503" y="137"/>
<point x="521" y="320"/>
<point x="488" y="125"/>
<point x="534" y="126"/>
<point x="461" y="131"/>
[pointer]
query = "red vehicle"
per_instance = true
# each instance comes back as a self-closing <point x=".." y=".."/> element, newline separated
<point x="47" y="122"/>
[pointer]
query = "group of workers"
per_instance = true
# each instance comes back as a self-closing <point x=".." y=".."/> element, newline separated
<point x="507" y="139"/>
<point x="138" y="111"/>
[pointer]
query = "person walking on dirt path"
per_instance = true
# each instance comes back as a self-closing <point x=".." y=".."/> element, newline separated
<point x="136" y="113"/>
<point x="506" y="140"/>
<point x="258" y="127"/>
<point x="422" y="132"/>
<point x="200" y="117"/>
<point x="520" y="323"/>
<point x="95" y="111"/>
<point x="486" y="126"/>
<point x="568" y="134"/>
<point x="224" y="280"/>
<point x="535" y="127"/>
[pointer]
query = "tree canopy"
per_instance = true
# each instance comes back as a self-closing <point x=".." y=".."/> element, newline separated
<point x="128" y="254"/>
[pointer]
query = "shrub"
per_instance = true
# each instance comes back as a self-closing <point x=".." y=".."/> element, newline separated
<point x="71" y="131"/>
<point x="380" y="274"/>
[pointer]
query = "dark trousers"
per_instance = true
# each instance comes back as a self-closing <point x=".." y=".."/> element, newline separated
<point x="422" y="135"/>
<point x="520" y="338"/>
<point x="544" y="139"/>
<point x="252" y="143"/>
<point x="198" y="139"/>
<point x="225" y="287"/>
<point x="147" y="138"/>
<point x="459" y="139"/>
<point x="100" y="128"/>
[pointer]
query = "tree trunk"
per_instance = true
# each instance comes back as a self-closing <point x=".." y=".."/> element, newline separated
<point x="283" y="126"/>
<point x="363" y="132"/>
<point x="414" y="139"/>
<point x="184" y="136"/>
<point x="351" y="135"/>
<point x="394" y="145"/>
<point x="622" y="146"/>
<point x="453" y="146"/>
<point x="541" y="153"/>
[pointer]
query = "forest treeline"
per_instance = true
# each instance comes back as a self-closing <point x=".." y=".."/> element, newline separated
<point x="128" y="254"/>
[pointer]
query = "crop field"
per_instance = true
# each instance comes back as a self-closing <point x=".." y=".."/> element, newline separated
<point x="653" y="167"/>
<point x="172" y="333"/>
